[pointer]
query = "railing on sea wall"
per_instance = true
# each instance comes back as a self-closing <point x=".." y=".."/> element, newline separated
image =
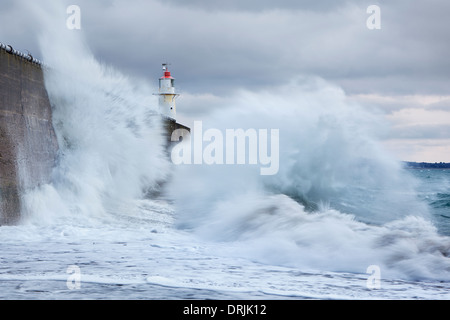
<point x="26" y="56"/>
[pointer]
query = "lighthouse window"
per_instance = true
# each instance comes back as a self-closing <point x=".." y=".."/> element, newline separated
<point x="172" y="81"/>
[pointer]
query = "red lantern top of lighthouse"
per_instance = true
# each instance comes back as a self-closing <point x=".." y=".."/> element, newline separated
<point x="166" y="72"/>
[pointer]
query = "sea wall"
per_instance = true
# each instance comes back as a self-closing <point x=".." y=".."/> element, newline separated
<point x="28" y="144"/>
<point x="170" y="126"/>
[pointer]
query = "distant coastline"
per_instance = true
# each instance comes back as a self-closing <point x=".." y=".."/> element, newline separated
<point x="426" y="165"/>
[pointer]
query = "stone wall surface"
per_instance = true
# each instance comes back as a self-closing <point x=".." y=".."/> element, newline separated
<point x="28" y="144"/>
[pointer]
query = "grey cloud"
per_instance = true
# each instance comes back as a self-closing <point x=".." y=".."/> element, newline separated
<point x="443" y="105"/>
<point x="16" y="26"/>
<point x="218" y="46"/>
<point x="421" y="132"/>
<point x="252" y="49"/>
<point x="259" y="5"/>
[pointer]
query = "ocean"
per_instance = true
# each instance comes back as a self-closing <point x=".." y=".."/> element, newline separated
<point x="136" y="251"/>
<point x="341" y="219"/>
<point x="435" y="191"/>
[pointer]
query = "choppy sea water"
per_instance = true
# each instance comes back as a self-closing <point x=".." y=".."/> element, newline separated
<point x="435" y="190"/>
<point x="138" y="253"/>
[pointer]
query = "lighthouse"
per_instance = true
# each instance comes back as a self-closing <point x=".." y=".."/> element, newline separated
<point x="167" y="94"/>
<point x="167" y="108"/>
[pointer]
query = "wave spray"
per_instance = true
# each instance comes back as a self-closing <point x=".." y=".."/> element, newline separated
<point x="339" y="201"/>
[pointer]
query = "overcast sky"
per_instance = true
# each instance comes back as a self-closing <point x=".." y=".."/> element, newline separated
<point x="217" y="46"/>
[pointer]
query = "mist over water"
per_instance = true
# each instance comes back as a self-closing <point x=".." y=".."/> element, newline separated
<point x="339" y="202"/>
<point x="108" y="128"/>
<point x="330" y="152"/>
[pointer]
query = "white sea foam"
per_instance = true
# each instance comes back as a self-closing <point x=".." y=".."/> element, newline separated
<point x="350" y="194"/>
<point x="107" y="127"/>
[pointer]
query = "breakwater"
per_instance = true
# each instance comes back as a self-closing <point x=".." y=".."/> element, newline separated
<point x="28" y="144"/>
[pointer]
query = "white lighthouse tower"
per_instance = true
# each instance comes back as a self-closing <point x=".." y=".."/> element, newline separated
<point x="167" y="94"/>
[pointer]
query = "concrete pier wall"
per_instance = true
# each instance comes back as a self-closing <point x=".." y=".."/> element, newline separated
<point x="170" y="126"/>
<point x="28" y="144"/>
